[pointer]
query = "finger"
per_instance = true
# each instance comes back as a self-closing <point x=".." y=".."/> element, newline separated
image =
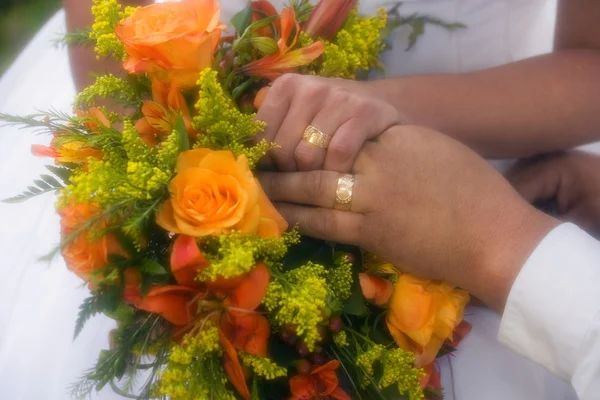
<point x="328" y="119"/>
<point x="374" y="118"/>
<point x="316" y="188"/>
<point x="272" y="111"/>
<point x="323" y="223"/>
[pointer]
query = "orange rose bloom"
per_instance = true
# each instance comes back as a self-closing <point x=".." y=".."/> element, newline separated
<point x="214" y="193"/>
<point x="423" y="314"/>
<point x="83" y="256"/>
<point x="172" y="41"/>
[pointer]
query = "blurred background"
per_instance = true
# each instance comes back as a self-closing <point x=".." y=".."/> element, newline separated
<point x="19" y="21"/>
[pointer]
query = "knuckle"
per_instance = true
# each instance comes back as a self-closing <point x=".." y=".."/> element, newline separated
<point x="314" y="181"/>
<point x="284" y="83"/>
<point x="341" y="150"/>
<point x="305" y="157"/>
<point x="324" y="222"/>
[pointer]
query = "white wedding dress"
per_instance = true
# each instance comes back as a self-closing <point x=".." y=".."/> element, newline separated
<point x="39" y="301"/>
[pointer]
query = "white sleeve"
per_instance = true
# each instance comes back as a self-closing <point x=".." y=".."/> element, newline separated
<point x="552" y="315"/>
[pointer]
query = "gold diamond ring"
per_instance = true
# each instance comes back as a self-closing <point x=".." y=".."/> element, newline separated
<point x="343" y="193"/>
<point x="316" y="137"/>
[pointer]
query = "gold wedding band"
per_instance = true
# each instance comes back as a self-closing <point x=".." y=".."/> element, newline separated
<point x="343" y="193"/>
<point x="316" y="137"/>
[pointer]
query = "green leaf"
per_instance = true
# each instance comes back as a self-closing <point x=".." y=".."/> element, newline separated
<point x="255" y="392"/>
<point x="63" y="173"/>
<point x="87" y="309"/>
<point x="41" y="184"/>
<point x="153" y="268"/>
<point x="239" y="91"/>
<point x="123" y="313"/>
<point x="50" y="180"/>
<point x="184" y="139"/>
<point x="265" y="45"/>
<point x="242" y="20"/>
<point x="356" y="303"/>
<point x="261" y="23"/>
<point x="418" y="29"/>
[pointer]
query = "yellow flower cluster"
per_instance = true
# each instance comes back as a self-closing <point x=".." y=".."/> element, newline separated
<point x="108" y="13"/>
<point x="263" y="366"/>
<point x="109" y="87"/>
<point x="222" y="125"/>
<point x="398" y="368"/>
<point x="299" y="298"/>
<point x="356" y="47"/>
<point x="341" y="339"/>
<point x="339" y="279"/>
<point x="235" y="254"/>
<point x="194" y="369"/>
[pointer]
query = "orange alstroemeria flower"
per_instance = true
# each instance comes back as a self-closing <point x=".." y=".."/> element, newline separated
<point x="172" y="41"/>
<point x="84" y="255"/>
<point x="424" y="314"/>
<point x="327" y="18"/>
<point x="375" y="289"/>
<point x="263" y="9"/>
<point x="285" y="59"/>
<point x="214" y="193"/>
<point x="242" y="328"/>
<point x="321" y="383"/>
<point x="161" y="113"/>
<point x="70" y="151"/>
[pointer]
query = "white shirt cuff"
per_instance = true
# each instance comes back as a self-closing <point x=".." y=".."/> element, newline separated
<point x="552" y="315"/>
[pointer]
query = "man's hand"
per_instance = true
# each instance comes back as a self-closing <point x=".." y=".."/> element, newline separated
<point x="571" y="179"/>
<point x="426" y="203"/>
<point x="336" y="107"/>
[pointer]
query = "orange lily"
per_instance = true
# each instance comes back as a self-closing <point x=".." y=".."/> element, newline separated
<point x="321" y="383"/>
<point x="241" y="328"/>
<point x="161" y="113"/>
<point x="262" y="9"/>
<point x="284" y="60"/>
<point x="376" y="289"/>
<point x="74" y="151"/>
<point x="187" y="260"/>
<point x="327" y="18"/>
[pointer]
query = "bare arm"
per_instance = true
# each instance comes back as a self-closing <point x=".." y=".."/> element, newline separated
<point x="83" y="59"/>
<point x="542" y="104"/>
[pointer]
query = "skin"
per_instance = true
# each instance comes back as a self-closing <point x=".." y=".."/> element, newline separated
<point x="84" y="64"/>
<point x="450" y="217"/>
<point x="573" y="179"/>
<point x="538" y="105"/>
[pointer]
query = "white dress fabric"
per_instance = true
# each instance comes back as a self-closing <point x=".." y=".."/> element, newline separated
<point x="39" y="301"/>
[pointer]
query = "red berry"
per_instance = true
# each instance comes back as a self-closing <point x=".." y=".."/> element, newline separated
<point x="335" y="324"/>
<point x="318" y="359"/>
<point x="350" y="257"/>
<point x="322" y="333"/>
<point x="302" y="349"/>
<point x="303" y="367"/>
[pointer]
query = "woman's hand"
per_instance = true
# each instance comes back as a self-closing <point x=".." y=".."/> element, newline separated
<point x="426" y="203"/>
<point x="571" y="179"/>
<point x="332" y="106"/>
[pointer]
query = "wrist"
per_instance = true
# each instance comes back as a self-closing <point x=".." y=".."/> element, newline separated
<point x="505" y="250"/>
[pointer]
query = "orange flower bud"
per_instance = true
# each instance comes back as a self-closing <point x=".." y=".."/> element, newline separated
<point x="327" y="18"/>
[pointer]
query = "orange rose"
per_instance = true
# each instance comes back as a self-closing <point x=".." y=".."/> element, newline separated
<point x="83" y="255"/>
<point x="172" y="41"/>
<point x="423" y="314"/>
<point x="214" y="193"/>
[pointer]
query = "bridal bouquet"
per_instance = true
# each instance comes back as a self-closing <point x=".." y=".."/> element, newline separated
<point x="163" y="218"/>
